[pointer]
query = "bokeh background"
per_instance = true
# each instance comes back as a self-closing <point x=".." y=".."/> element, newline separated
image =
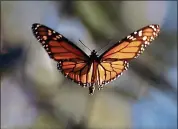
<point x="35" y="95"/>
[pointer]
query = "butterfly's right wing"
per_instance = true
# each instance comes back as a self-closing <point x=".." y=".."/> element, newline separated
<point x="79" y="72"/>
<point x="72" y="61"/>
<point x="56" y="45"/>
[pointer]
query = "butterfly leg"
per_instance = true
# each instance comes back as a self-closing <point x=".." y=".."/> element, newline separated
<point x="91" y="90"/>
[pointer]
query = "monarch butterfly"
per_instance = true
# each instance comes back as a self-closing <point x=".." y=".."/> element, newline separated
<point x="92" y="70"/>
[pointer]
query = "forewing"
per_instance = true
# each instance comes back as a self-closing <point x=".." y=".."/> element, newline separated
<point x="133" y="45"/>
<point x="57" y="46"/>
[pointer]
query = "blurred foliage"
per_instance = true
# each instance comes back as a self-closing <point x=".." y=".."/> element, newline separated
<point x="10" y="57"/>
<point x="45" y="121"/>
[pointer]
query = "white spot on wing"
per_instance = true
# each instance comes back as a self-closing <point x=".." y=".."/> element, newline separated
<point x="128" y="36"/>
<point x="146" y="42"/>
<point x="154" y="33"/>
<point x="140" y="33"/>
<point x="144" y="38"/>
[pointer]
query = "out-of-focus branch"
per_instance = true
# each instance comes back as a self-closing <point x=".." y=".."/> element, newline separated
<point x="148" y="75"/>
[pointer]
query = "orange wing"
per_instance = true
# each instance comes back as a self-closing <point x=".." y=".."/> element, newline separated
<point x="56" y="45"/>
<point x="109" y="70"/>
<point x="115" y="60"/>
<point x="133" y="45"/>
<point x="72" y="61"/>
<point x="81" y="73"/>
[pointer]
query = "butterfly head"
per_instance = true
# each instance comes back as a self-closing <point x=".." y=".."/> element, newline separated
<point x="93" y="54"/>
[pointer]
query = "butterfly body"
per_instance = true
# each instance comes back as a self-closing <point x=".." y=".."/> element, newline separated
<point x="92" y="70"/>
<point x="94" y="56"/>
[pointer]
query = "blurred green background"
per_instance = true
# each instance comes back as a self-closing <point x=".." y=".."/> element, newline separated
<point x="35" y="95"/>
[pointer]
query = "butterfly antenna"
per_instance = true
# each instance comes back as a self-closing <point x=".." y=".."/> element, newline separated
<point x="85" y="45"/>
<point x="104" y="46"/>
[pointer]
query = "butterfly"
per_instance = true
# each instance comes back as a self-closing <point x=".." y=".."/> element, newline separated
<point x="89" y="71"/>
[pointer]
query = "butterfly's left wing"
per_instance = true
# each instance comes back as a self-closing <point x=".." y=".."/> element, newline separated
<point x="72" y="61"/>
<point x="115" y="60"/>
